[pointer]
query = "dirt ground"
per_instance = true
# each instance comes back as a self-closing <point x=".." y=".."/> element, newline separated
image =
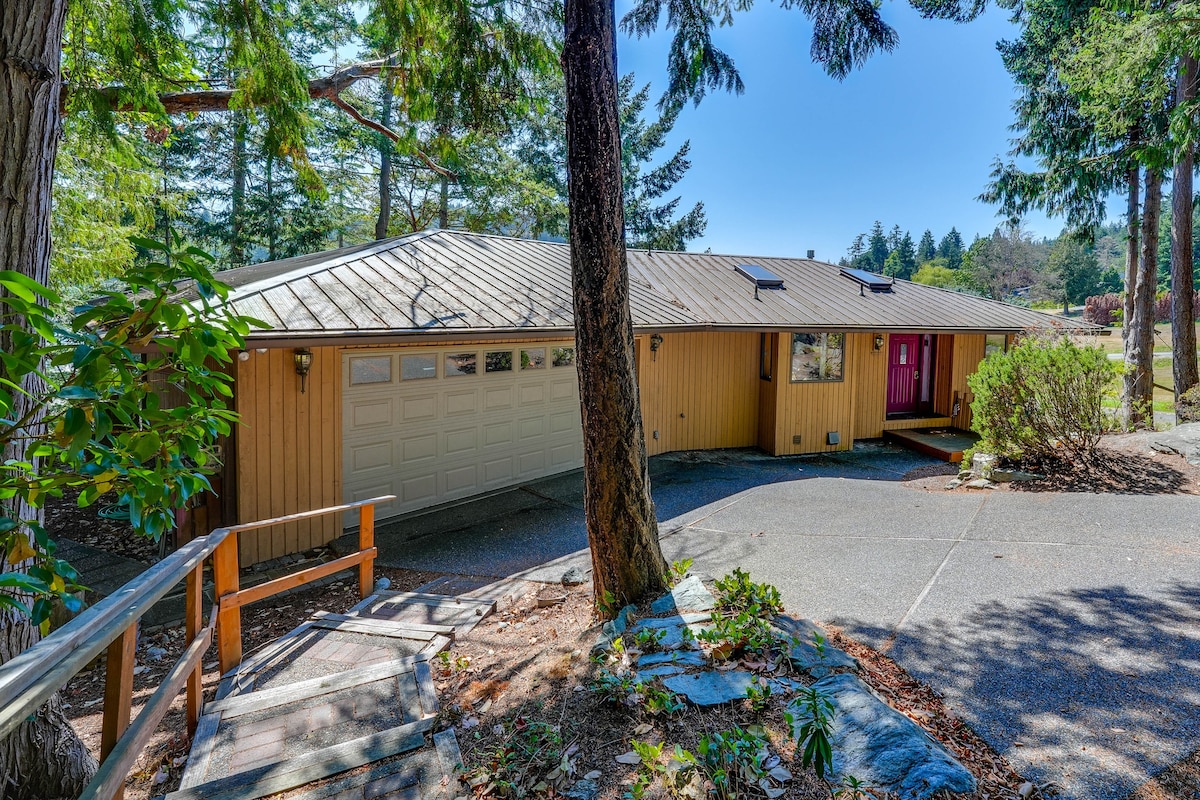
<point x="1124" y="464"/>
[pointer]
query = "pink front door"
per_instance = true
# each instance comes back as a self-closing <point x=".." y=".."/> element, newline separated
<point x="904" y="363"/>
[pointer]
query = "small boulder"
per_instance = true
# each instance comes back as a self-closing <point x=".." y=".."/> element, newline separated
<point x="688" y="595"/>
<point x="882" y="747"/>
<point x="711" y="688"/>
<point x="574" y="577"/>
<point x="1182" y="440"/>
<point x="980" y="483"/>
<point x="805" y="655"/>
<point x="583" y="789"/>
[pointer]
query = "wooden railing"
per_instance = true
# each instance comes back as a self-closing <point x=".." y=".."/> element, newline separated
<point x="30" y="679"/>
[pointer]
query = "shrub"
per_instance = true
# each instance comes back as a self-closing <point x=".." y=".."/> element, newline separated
<point x="1187" y="408"/>
<point x="1041" y="399"/>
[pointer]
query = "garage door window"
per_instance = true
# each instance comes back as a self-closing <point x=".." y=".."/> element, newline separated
<point x="414" y="368"/>
<point x="460" y="364"/>
<point x="370" y="369"/>
<point x="533" y="359"/>
<point x="498" y="361"/>
<point x="563" y="356"/>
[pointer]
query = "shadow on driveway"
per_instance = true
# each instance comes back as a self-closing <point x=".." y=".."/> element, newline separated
<point x="1093" y="689"/>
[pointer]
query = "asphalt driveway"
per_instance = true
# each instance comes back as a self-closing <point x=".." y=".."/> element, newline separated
<point x="1065" y="628"/>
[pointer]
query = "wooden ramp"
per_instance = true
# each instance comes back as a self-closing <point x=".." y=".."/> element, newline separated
<point x="945" y="443"/>
<point x="344" y="707"/>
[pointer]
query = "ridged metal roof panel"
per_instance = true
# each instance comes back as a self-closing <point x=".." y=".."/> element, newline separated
<point x="450" y="281"/>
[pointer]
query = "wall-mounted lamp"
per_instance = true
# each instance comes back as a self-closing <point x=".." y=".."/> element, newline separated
<point x="656" y="341"/>
<point x="303" y="359"/>
<point x="879" y="341"/>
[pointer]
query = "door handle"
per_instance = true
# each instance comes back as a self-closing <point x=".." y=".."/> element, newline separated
<point x="916" y="374"/>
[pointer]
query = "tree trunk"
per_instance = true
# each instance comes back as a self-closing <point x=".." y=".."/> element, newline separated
<point x="43" y="758"/>
<point x="384" y="220"/>
<point x="237" y="200"/>
<point x="1137" y="403"/>
<point x="1132" y="225"/>
<point x="1183" y="312"/>
<point x="627" y="561"/>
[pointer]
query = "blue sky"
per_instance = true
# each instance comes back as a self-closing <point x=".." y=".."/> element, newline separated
<point x="801" y="161"/>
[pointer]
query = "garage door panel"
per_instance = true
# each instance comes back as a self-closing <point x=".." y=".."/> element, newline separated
<point x="462" y="480"/>
<point x="461" y="441"/>
<point x="498" y="397"/>
<point x="372" y="413"/>
<point x="531" y="394"/>
<point x="445" y="438"/>
<point x="418" y="448"/>
<point x="458" y="403"/>
<point x="497" y="433"/>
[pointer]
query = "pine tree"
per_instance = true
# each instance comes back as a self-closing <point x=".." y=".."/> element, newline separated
<point x="951" y="249"/>
<point x="926" y="250"/>
<point x="907" y="259"/>
<point x="877" y="248"/>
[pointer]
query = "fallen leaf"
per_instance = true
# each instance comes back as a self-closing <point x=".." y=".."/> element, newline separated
<point x="629" y="758"/>
<point x="643" y="729"/>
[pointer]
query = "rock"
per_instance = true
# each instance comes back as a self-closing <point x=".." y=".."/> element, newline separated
<point x="711" y="688"/>
<point x="661" y="671"/>
<point x="583" y="789"/>
<point x="574" y="577"/>
<point x="155" y="654"/>
<point x="613" y="629"/>
<point x="683" y="658"/>
<point x="954" y="484"/>
<point x="980" y="483"/>
<point x="1010" y="475"/>
<point x="383" y="584"/>
<point x="805" y="655"/>
<point x="1183" y="440"/>
<point x="882" y="747"/>
<point x="672" y="628"/>
<point x="688" y="595"/>
<point x="983" y="464"/>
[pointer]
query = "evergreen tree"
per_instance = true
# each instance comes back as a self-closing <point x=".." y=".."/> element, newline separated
<point x="877" y="248"/>
<point x="894" y="237"/>
<point x="907" y="257"/>
<point x="951" y="249"/>
<point x="926" y="250"/>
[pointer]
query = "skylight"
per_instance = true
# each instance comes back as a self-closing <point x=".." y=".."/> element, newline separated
<point x="763" y="278"/>
<point x="876" y="283"/>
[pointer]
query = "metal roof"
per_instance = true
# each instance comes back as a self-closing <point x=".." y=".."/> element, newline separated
<point x="465" y="284"/>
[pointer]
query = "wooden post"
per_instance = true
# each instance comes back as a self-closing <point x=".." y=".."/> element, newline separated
<point x="229" y="617"/>
<point x="194" y="612"/>
<point x="366" y="540"/>
<point x="118" y="690"/>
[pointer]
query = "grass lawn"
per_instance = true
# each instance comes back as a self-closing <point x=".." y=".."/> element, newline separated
<point x="1114" y="344"/>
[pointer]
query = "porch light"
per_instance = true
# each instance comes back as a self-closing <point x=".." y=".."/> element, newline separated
<point x="879" y="341"/>
<point x="303" y="359"/>
<point x="656" y="341"/>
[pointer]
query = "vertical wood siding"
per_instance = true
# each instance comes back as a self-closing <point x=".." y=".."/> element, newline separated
<point x="810" y="410"/>
<point x="289" y="450"/>
<point x="868" y="371"/>
<point x="699" y="391"/>
<point x="968" y="352"/>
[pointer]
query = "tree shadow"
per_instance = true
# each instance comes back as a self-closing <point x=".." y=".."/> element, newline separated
<point x="1115" y="473"/>
<point x="1096" y="690"/>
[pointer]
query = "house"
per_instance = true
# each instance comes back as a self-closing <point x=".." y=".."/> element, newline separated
<point x="441" y="365"/>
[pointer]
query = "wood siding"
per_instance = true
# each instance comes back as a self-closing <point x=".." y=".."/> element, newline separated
<point x="699" y="391"/>
<point x="868" y="370"/>
<point x="289" y="450"/>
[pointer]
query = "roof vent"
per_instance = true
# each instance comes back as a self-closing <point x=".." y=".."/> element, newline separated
<point x="876" y="283"/>
<point x="812" y="254"/>
<point x="762" y="277"/>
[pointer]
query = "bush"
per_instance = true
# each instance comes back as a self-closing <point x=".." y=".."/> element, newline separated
<point x="1187" y="408"/>
<point x="1042" y="399"/>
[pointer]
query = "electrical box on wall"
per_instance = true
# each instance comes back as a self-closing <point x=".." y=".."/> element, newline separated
<point x="796" y="438"/>
<point x="833" y="437"/>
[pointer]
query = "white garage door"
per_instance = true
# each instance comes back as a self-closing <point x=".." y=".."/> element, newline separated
<point x="434" y="425"/>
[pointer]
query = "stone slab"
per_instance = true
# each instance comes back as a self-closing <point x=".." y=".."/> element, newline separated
<point x="687" y="595"/>
<point x="711" y="688"/>
<point x="885" y="749"/>
<point x="1182" y="440"/>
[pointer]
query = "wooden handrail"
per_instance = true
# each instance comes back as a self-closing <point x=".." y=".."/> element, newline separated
<point x="31" y="678"/>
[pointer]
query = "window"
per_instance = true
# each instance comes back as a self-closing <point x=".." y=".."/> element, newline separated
<point x="533" y="359"/>
<point x="370" y="369"/>
<point x="817" y="356"/>
<point x="995" y="343"/>
<point x="460" y="364"/>
<point x="415" y="368"/>
<point x="766" y="355"/>
<point x="498" y="361"/>
<point x="562" y="356"/>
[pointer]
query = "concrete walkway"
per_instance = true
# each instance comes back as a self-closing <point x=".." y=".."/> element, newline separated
<point x="1064" y="627"/>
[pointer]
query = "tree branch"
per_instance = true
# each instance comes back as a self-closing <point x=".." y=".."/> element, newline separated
<point x="389" y="133"/>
